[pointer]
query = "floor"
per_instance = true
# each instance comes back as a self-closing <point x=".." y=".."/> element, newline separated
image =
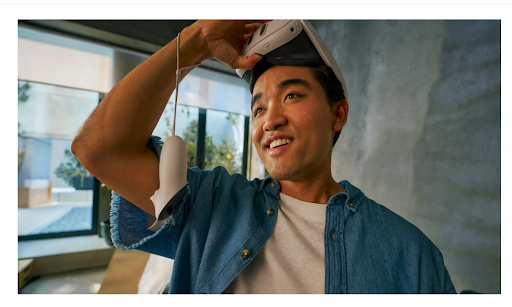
<point x="77" y="218"/>
<point x="86" y="281"/>
<point x="55" y="217"/>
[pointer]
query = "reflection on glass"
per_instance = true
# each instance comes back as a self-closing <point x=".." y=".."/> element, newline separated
<point x="224" y="141"/>
<point x="54" y="190"/>
<point x="186" y="128"/>
<point x="207" y="89"/>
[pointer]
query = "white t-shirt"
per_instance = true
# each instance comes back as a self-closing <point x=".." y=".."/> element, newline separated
<point x="292" y="260"/>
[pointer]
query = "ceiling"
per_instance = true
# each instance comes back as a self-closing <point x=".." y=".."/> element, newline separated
<point x="158" y="32"/>
<point x="143" y="36"/>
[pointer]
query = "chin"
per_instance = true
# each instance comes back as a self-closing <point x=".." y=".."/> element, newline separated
<point x="281" y="174"/>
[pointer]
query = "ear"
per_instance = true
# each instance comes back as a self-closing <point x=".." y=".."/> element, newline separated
<point x="340" y="112"/>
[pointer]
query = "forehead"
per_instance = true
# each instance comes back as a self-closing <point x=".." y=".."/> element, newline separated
<point x="274" y="75"/>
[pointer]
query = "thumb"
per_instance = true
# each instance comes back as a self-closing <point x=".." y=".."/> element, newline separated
<point x="246" y="62"/>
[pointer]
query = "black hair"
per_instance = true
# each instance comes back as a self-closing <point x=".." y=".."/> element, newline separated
<point x="332" y="87"/>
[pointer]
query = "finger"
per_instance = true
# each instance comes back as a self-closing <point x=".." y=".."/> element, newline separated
<point x="251" y="28"/>
<point x="249" y="23"/>
<point x="246" y="38"/>
<point x="244" y="62"/>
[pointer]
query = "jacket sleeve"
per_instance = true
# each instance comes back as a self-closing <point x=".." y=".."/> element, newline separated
<point x="434" y="277"/>
<point x="448" y="285"/>
<point x="129" y="224"/>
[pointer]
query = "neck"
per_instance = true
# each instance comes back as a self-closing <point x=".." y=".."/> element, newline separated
<point x="313" y="189"/>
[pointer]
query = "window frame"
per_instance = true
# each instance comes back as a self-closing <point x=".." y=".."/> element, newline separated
<point x="200" y="153"/>
<point x="209" y="65"/>
<point x="95" y="208"/>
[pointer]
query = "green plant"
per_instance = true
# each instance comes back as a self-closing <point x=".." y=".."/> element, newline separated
<point x="21" y="157"/>
<point x="220" y="155"/>
<point x="168" y="120"/>
<point x="22" y="91"/>
<point x="214" y="155"/>
<point x="70" y="169"/>
<point x="22" y="97"/>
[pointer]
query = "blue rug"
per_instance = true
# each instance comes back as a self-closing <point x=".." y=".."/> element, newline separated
<point x="79" y="218"/>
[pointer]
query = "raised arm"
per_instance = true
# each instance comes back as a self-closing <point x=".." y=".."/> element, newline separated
<point x="112" y="143"/>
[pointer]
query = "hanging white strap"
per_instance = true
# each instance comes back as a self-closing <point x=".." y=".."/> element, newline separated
<point x="178" y="76"/>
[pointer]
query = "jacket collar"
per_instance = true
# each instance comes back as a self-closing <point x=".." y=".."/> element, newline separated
<point x="351" y="197"/>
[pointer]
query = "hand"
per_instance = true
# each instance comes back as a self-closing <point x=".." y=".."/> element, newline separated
<point x="224" y="40"/>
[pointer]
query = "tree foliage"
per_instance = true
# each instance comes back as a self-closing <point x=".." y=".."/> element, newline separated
<point x="70" y="169"/>
<point x="223" y="154"/>
<point x="22" y="91"/>
<point x="23" y="96"/>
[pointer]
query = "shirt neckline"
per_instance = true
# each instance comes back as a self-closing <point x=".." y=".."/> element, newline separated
<point x="308" y="210"/>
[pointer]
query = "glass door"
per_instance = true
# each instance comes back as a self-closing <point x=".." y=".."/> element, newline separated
<point x="57" y="197"/>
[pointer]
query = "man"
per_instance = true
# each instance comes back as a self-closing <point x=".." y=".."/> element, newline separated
<point x="296" y="231"/>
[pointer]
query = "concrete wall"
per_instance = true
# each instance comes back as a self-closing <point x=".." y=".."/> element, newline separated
<point x="423" y="133"/>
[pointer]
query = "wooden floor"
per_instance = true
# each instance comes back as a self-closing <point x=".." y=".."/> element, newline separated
<point x="124" y="272"/>
<point x="86" y="281"/>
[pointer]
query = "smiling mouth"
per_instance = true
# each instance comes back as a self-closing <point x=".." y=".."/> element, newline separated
<point x="279" y="143"/>
<point x="277" y="148"/>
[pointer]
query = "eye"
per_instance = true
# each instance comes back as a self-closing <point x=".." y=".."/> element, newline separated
<point x="256" y="111"/>
<point x="292" y="95"/>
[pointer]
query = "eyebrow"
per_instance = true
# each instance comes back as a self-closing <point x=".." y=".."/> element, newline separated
<point x="283" y="84"/>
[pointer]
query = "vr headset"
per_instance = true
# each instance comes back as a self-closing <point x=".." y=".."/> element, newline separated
<point x="287" y="43"/>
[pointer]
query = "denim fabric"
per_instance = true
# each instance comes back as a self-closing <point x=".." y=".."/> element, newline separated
<point x="368" y="248"/>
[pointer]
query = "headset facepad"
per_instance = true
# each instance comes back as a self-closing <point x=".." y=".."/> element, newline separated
<point x="287" y="43"/>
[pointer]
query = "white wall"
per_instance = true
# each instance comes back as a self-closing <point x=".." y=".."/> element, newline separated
<point x="47" y="63"/>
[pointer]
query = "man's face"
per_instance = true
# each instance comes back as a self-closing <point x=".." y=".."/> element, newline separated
<point x="290" y="107"/>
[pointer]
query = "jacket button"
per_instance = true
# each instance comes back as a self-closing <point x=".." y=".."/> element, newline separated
<point x="270" y="212"/>
<point x="350" y="205"/>
<point x="245" y="253"/>
<point x="272" y="184"/>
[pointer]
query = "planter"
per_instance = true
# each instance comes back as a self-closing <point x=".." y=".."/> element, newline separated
<point x="83" y="183"/>
<point x="105" y="232"/>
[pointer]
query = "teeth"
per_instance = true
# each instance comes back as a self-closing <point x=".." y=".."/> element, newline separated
<point x="279" y="142"/>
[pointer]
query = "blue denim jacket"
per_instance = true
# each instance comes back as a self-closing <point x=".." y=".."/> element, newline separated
<point x="368" y="248"/>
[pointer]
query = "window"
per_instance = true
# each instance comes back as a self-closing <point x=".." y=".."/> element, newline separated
<point x="224" y="141"/>
<point x="213" y="120"/>
<point x="186" y="128"/>
<point x="60" y="81"/>
<point x="55" y="192"/>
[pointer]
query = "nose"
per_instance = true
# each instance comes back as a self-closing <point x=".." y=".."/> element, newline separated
<point x="274" y="117"/>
